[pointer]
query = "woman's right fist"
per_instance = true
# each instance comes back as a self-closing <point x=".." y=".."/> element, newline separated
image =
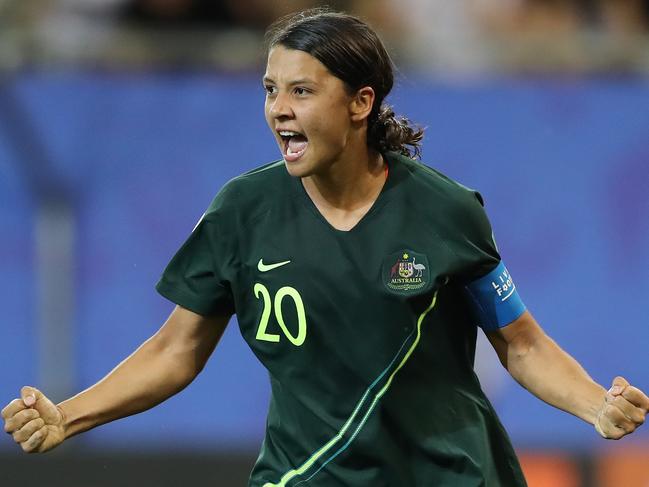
<point x="34" y="421"/>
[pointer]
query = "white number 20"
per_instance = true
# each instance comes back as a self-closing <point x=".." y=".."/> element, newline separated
<point x="262" y="334"/>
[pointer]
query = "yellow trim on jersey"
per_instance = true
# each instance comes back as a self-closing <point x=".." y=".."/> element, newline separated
<point x="288" y="476"/>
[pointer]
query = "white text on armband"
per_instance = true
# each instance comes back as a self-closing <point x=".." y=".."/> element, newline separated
<point x="495" y="299"/>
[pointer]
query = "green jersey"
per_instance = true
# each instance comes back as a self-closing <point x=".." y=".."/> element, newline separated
<point x="366" y="334"/>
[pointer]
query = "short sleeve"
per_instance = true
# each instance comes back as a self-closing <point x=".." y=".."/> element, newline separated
<point x="475" y="245"/>
<point x="484" y="277"/>
<point x="196" y="278"/>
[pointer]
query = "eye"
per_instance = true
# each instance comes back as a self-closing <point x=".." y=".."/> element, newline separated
<point x="270" y="90"/>
<point x="299" y="91"/>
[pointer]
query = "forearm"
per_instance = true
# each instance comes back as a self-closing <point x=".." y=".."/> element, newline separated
<point x="552" y="375"/>
<point x="150" y="375"/>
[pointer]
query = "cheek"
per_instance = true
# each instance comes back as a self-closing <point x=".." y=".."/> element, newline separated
<point x="267" y="116"/>
<point x="330" y="125"/>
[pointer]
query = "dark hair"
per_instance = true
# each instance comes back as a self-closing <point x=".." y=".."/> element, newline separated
<point x="353" y="52"/>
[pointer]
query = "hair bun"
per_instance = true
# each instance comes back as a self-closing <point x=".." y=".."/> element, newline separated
<point x="389" y="132"/>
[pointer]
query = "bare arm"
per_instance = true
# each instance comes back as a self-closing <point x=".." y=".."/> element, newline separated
<point x="537" y="363"/>
<point x="161" y="367"/>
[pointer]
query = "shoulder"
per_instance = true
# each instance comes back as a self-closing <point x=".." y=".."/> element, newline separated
<point x="435" y="191"/>
<point x="251" y="190"/>
<point x="455" y="214"/>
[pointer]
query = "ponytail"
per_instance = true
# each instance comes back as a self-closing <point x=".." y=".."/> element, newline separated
<point x="388" y="132"/>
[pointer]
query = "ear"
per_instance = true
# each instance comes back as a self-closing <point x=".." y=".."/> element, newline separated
<point x="361" y="104"/>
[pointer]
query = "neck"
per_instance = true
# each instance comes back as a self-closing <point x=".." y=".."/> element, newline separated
<point x="349" y="183"/>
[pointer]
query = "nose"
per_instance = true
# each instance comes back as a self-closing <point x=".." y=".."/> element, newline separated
<point x="280" y="107"/>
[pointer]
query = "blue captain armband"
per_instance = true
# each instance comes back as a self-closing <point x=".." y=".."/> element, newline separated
<point x="495" y="299"/>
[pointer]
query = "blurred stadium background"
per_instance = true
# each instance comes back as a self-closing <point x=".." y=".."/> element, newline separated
<point x="120" y="119"/>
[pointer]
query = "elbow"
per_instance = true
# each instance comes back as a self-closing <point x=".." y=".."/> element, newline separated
<point x="180" y="369"/>
<point x="518" y="343"/>
<point x="513" y="351"/>
<point x="185" y="367"/>
<point x="520" y="352"/>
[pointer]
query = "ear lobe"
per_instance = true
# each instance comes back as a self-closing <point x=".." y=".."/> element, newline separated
<point x="362" y="103"/>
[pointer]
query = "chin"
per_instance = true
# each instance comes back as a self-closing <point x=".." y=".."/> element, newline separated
<point x="301" y="168"/>
<point x="308" y="165"/>
<point x="298" y="169"/>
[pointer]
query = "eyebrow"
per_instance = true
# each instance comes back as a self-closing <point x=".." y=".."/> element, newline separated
<point x="301" y="81"/>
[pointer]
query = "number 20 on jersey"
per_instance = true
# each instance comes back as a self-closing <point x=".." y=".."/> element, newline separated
<point x="275" y="305"/>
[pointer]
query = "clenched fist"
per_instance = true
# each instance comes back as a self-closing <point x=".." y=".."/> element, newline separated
<point x="35" y="423"/>
<point x="623" y="410"/>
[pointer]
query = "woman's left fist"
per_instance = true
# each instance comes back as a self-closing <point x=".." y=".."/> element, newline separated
<point x="623" y="410"/>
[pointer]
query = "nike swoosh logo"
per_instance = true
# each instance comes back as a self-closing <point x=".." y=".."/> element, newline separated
<point x="269" y="267"/>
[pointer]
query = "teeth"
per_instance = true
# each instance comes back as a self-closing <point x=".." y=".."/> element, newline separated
<point x="287" y="133"/>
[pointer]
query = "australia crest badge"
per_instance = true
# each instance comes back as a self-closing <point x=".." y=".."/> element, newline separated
<point x="406" y="272"/>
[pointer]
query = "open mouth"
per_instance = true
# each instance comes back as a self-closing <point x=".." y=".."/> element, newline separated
<point x="295" y="144"/>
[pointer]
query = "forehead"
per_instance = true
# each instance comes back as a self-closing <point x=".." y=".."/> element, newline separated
<point x="285" y="65"/>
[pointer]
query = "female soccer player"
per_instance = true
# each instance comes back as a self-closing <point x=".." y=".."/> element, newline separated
<point x="359" y="277"/>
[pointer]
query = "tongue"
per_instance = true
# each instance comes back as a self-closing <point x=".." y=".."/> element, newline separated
<point x="297" y="143"/>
